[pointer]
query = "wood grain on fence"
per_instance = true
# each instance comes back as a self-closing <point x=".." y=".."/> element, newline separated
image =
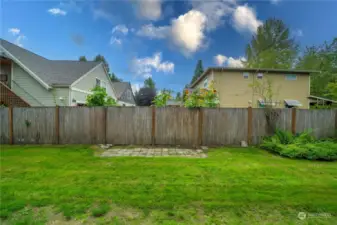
<point x="4" y="134"/>
<point x="176" y="126"/>
<point x="225" y="126"/>
<point x="34" y="125"/>
<point x="260" y="126"/>
<point x="320" y="122"/>
<point x="82" y="125"/>
<point x="162" y="126"/>
<point x="129" y="125"/>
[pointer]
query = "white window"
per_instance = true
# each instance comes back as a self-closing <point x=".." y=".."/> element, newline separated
<point x="103" y="84"/>
<point x="246" y="75"/>
<point x="260" y="76"/>
<point x="100" y="83"/>
<point x="206" y="83"/>
<point x="291" y="77"/>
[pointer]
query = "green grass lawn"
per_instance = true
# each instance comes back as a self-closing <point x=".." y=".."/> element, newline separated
<point x="68" y="184"/>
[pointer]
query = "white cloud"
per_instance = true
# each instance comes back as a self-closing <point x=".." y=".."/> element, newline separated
<point x="244" y="19"/>
<point x="102" y="14"/>
<point x="238" y="63"/>
<point x="188" y="31"/>
<point x="117" y="33"/>
<point x="114" y="40"/>
<point x="153" y="32"/>
<point x="19" y="39"/>
<point x="57" y="11"/>
<point x="150" y="9"/>
<point x="298" y="33"/>
<point x="145" y="66"/>
<point x="220" y="59"/>
<point x="215" y="11"/>
<point x="135" y="87"/>
<point x="121" y="28"/>
<point x="19" y="36"/>
<point x="14" y="31"/>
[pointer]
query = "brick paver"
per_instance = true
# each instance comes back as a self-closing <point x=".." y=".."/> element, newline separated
<point x="153" y="152"/>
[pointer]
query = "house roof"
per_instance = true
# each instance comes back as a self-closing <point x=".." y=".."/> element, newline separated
<point x="51" y="72"/>
<point x="323" y="99"/>
<point x="252" y="70"/>
<point x="120" y="88"/>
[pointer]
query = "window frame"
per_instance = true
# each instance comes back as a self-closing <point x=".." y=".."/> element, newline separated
<point x="288" y="75"/>
<point x="205" y="83"/>
<point x="259" y="76"/>
<point x="102" y="83"/>
<point x="245" y="75"/>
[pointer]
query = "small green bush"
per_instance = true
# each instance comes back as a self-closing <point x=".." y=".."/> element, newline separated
<point x="302" y="146"/>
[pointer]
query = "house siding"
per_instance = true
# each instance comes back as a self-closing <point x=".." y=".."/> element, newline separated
<point x="25" y="86"/>
<point x="210" y="78"/>
<point x="235" y="91"/>
<point x="88" y="82"/>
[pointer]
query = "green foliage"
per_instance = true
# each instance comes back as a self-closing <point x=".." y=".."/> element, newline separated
<point x="100" y="98"/>
<point x="149" y="83"/>
<point x="114" y="78"/>
<point x="271" y="47"/>
<point x="332" y="90"/>
<point x="100" y="58"/>
<point x="101" y="210"/>
<point x="82" y="58"/>
<point x="178" y="97"/>
<point x="199" y="69"/>
<point x="145" y="96"/>
<point x="323" y="59"/>
<point x="202" y="98"/>
<point x="161" y="99"/>
<point x="302" y="146"/>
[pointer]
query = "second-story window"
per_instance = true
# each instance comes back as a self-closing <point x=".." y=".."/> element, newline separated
<point x="100" y="83"/>
<point x="246" y="75"/>
<point x="259" y="76"/>
<point x="206" y="83"/>
<point x="291" y="77"/>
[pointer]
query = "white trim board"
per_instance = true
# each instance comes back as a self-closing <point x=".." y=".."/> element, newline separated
<point x="84" y="75"/>
<point x="80" y="90"/>
<point x="26" y="69"/>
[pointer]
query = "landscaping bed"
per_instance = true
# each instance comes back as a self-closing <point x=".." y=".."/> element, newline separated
<point x="68" y="184"/>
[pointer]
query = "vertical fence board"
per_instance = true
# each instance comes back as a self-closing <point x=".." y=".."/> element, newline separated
<point x="225" y="126"/>
<point x="320" y="122"/>
<point x="34" y="125"/>
<point x="4" y="131"/>
<point x="82" y="125"/>
<point x="260" y="127"/>
<point x="129" y="125"/>
<point x="176" y="126"/>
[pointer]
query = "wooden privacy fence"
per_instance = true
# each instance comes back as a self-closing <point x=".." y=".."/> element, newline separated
<point x="149" y="125"/>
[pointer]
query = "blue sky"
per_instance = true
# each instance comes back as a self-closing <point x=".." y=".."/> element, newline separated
<point x="158" y="38"/>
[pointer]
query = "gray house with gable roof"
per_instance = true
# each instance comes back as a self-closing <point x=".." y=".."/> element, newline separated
<point x="43" y="82"/>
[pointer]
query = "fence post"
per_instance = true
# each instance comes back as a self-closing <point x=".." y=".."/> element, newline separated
<point x="200" y="123"/>
<point x="10" y="124"/>
<point x="250" y="125"/>
<point x="57" y="124"/>
<point x="293" y="121"/>
<point x="106" y="125"/>
<point x="153" y="132"/>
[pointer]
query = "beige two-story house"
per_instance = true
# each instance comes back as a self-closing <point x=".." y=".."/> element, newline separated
<point x="236" y="87"/>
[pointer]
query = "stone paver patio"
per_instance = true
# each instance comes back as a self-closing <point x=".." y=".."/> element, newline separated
<point x="154" y="152"/>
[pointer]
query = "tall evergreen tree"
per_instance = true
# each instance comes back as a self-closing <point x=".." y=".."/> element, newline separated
<point x="100" y="58"/>
<point x="149" y="83"/>
<point x="271" y="47"/>
<point x="198" y="71"/>
<point x="82" y="58"/>
<point x="114" y="78"/>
